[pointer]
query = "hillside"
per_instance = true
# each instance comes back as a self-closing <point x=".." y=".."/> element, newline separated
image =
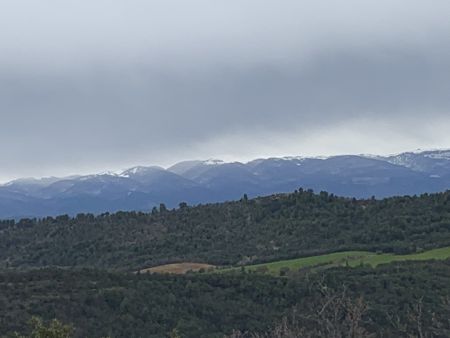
<point x="395" y="299"/>
<point x="193" y="182"/>
<point x="82" y="270"/>
<point x="248" y="231"/>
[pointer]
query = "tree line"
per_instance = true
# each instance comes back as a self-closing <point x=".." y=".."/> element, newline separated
<point x="250" y="230"/>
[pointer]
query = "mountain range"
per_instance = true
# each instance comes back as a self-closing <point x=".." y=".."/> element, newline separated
<point x="194" y="182"/>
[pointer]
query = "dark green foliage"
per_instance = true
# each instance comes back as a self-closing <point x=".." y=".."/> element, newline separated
<point x="54" y="329"/>
<point x="210" y="305"/>
<point x="127" y="305"/>
<point x="261" y="229"/>
<point x="399" y="296"/>
<point x="403" y="299"/>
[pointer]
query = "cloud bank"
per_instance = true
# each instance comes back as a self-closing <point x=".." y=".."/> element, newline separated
<point x="93" y="85"/>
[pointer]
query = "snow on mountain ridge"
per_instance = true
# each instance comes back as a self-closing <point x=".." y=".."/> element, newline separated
<point x="212" y="161"/>
<point x="139" y="170"/>
<point x="440" y="156"/>
<point x="405" y="159"/>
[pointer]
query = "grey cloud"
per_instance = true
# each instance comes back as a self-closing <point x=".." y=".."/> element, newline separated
<point x="107" y="84"/>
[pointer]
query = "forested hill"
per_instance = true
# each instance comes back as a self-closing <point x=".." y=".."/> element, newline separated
<point x="250" y="230"/>
<point x="402" y="300"/>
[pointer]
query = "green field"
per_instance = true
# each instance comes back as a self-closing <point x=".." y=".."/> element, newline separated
<point x="345" y="258"/>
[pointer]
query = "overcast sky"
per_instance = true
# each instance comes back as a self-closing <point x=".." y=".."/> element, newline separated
<point x="96" y="85"/>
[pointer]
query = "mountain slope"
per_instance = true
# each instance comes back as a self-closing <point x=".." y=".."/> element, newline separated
<point x="142" y="188"/>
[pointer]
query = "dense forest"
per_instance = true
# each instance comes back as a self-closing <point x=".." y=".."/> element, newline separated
<point x="250" y="230"/>
<point x="396" y="300"/>
<point x="82" y="270"/>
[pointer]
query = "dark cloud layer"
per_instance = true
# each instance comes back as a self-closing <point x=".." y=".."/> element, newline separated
<point x="86" y="86"/>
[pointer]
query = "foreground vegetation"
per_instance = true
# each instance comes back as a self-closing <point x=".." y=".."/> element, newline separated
<point x="395" y="300"/>
<point x="54" y="329"/>
<point x="244" y="232"/>
<point x="83" y="270"/>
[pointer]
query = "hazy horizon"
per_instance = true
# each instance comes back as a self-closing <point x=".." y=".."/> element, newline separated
<point x="230" y="160"/>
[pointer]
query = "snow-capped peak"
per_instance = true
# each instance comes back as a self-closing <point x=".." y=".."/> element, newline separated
<point x="107" y="173"/>
<point x="442" y="155"/>
<point x="133" y="171"/>
<point x="139" y="170"/>
<point x="293" y="158"/>
<point x="213" y="162"/>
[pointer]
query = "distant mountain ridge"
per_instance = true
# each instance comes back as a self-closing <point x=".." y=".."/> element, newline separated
<point x="141" y="188"/>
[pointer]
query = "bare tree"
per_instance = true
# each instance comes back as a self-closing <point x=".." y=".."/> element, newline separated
<point x="336" y="316"/>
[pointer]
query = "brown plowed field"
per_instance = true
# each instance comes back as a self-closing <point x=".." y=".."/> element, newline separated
<point x="177" y="268"/>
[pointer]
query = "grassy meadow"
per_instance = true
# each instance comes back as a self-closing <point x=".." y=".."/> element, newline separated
<point x="345" y="258"/>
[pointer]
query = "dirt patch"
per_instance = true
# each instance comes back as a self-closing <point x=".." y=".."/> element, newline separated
<point x="177" y="268"/>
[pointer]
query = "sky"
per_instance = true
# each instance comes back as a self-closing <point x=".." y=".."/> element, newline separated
<point x="87" y="86"/>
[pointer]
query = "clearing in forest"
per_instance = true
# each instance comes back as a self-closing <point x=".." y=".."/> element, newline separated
<point x="178" y="268"/>
<point x="346" y="258"/>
